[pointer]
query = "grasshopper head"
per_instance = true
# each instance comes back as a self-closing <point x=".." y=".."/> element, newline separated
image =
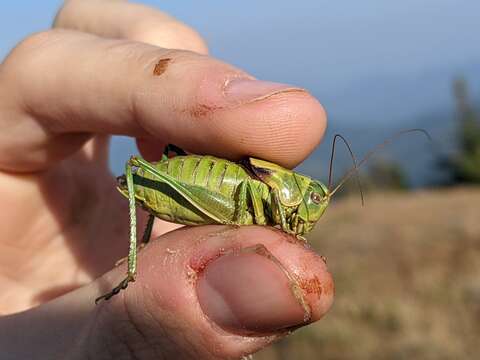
<point x="311" y="209"/>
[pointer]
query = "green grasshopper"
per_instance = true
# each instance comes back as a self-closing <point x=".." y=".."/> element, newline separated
<point x="199" y="190"/>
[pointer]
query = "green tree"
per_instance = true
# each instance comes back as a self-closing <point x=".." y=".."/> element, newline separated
<point x="386" y="175"/>
<point x="381" y="174"/>
<point x="465" y="164"/>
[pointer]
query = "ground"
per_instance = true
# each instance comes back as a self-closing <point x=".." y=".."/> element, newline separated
<point x="407" y="272"/>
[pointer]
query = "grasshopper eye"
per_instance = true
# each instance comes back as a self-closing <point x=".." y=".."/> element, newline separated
<point x="316" y="198"/>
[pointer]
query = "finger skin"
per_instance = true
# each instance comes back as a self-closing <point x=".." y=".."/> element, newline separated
<point x="59" y="87"/>
<point x="123" y="20"/>
<point x="159" y="316"/>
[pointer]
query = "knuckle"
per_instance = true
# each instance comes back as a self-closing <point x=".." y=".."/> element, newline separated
<point x="170" y="35"/>
<point x="37" y="41"/>
<point x="28" y="51"/>
<point x="188" y="38"/>
<point x="25" y="55"/>
<point x="64" y="13"/>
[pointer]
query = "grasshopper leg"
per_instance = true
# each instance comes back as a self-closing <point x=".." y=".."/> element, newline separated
<point x="147" y="234"/>
<point x="281" y="212"/>
<point x="123" y="285"/>
<point x="285" y="225"/>
<point x="246" y="190"/>
<point x="241" y="208"/>
<point x="173" y="148"/>
<point x="257" y="204"/>
<point x="132" y="253"/>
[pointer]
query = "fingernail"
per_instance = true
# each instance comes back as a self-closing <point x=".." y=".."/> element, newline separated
<point x="245" y="90"/>
<point x="248" y="293"/>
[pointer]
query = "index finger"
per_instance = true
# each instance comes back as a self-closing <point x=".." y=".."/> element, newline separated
<point x="60" y="86"/>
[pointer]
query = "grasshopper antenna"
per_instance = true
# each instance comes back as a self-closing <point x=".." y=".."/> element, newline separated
<point x="355" y="166"/>
<point x="353" y="170"/>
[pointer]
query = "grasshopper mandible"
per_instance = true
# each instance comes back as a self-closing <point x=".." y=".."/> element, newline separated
<point x="199" y="190"/>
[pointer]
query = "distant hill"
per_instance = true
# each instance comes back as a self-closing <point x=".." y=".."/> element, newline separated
<point x="395" y="99"/>
<point x="370" y="112"/>
<point x="417" y="156"/>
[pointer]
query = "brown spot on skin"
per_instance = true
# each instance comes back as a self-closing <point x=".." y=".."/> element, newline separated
<point x="161" y="66"/>
<point x="199" y="263"/>
<point x="329" y="289"/>
<point x="202" y="110"/>
<point x="311" y="286"/>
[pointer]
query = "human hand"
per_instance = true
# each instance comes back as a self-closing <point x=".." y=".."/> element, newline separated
<point x="110" y="67"/>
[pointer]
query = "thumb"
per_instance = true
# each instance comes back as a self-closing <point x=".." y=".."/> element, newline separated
<point x="208" y="292"/>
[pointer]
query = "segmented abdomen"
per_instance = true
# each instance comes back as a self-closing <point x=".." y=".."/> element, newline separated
<point x="212" y="173"/>
<point x="217" y="175"/>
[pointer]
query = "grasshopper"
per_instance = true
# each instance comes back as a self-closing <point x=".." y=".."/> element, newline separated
<point x="199" y="190"/>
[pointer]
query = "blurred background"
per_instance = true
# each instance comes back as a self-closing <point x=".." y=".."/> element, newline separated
<point x="407" y="264"/>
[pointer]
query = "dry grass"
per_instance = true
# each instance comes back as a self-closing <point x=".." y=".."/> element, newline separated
<point x="407" y="272"/>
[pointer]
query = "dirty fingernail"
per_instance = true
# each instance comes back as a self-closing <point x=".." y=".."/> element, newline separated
<point x="248" y="293"/>
<point x="245" y="90"/>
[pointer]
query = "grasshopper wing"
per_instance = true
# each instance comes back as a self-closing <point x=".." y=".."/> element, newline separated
<point x="214" y="205"/>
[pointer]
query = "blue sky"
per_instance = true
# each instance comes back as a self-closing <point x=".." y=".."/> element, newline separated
<point x="362" y="59"/>
<point x="329" y="47"/>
